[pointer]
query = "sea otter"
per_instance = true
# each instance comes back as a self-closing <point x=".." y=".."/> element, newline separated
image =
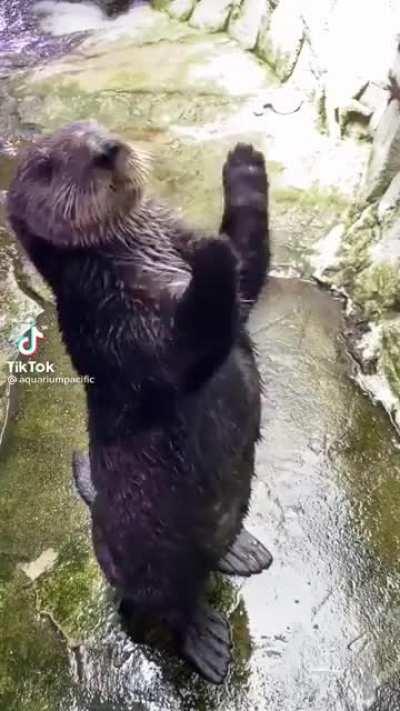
<point x="156" y="313"/>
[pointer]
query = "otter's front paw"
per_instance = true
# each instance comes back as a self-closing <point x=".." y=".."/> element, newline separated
<point x="83" y="477"/>
<point x="214" y="289"/>
<point x="215" y="265"/>
<point x="245" y="177"/>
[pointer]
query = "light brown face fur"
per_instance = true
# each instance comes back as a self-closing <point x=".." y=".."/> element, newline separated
<point x="74" y="187"/>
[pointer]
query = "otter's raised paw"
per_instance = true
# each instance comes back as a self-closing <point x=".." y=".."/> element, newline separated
<point x="82" y="477"/>
<point x="207" y="645"/>
<point x="247" y="556"/>
<point x="210" y="306"/>
<point x="245" y="178"/>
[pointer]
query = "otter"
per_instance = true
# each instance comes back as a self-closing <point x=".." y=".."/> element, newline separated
<point x="156" y="312"/>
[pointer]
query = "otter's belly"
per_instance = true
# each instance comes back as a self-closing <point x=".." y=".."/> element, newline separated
<point x="180" y="491"/>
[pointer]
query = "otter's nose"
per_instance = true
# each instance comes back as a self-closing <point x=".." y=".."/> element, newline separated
<point x="110" y="149"/>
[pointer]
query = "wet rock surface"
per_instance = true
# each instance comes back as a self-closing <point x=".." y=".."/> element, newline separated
<point x="281" y="39"/>
<point x="211" y="15"/>
<point x="365" y="260"/>
<point x="21" y="42"/>
<point x="180" y="9"/>
<point x="385" y="155"/>
<point x="319" y="630"/>
<point x="246" y="20"/>
<point x="348" y="82"/>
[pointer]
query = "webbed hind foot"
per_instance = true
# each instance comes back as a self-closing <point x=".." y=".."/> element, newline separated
<point x="207" y="644"/>
<point x="247" y="556"/>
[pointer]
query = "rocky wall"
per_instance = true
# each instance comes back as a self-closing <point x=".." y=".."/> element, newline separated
<point x="337" y="50"/>
<point x="344" y="55"/>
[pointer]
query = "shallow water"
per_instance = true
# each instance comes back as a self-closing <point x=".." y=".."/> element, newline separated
<point x="319" y="630"/>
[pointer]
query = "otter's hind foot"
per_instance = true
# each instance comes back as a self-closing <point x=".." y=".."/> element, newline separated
<point x="207" y="644"/>
<point x="82" y="477"/>
<point x="247" y="556"/>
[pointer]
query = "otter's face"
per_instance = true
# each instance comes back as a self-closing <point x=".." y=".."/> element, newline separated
<point x="74" y="187"/>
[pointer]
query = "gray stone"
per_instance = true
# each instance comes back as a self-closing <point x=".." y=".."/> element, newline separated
<point x="395" y="68"/>
<point x="387" y="250"/>
<point x="181" y="9"/>
<point x="375" y="97"/>
<point x="211" y="15"/>
<point x="387" y="697"/>
<point x="43" y="564"/>
<point x="281" y="38"/>
<point x="325" y="257"/>
<point x="391" y="199"/>
<point x="18" y="312"/>
<point x="351" y="57"/>
<point x="384" y="162"/>
<point x="246" y="21"/>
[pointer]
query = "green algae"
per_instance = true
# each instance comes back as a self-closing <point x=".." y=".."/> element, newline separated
<point x="38" y="510"/>
<point x="374" y="286"/>
<point x="64" y="607"/>
<point x="360" y="236"/>
<point x="390" y="357"/>
<point x="299" y="218"/>
<point x="48" y="424"/>
<point x="71" y="595"/>
<point x="281" y="63"/>
<point x="33" y="664"/>
<point x="162" y="74"/>
<point x="377" y="289"/>
<point x="312" y="198"/>
<point x="370" y="473"/>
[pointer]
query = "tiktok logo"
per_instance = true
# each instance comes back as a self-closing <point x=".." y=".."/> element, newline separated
<point x="28" y="343"/>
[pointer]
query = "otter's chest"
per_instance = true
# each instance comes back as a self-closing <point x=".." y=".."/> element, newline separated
<point x="151" y="276"/>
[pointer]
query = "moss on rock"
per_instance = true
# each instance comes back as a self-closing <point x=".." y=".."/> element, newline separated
<point x="390" y="357"/>
<point x="38" y="511"/>
<point x="354" y="256"/>
<point x="71" y="594"/>
<point x="27" y="643"/>
<point x="377" y="289"/>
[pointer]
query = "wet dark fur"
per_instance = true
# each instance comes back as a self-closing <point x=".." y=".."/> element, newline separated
<point x="157" y="315"/>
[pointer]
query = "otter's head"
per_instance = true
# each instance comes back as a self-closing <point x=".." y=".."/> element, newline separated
<point x="76" y="186"/>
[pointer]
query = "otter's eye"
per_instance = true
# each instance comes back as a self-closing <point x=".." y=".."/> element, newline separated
<point x="45" y="169"/>
<point x="107" y="157"/>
